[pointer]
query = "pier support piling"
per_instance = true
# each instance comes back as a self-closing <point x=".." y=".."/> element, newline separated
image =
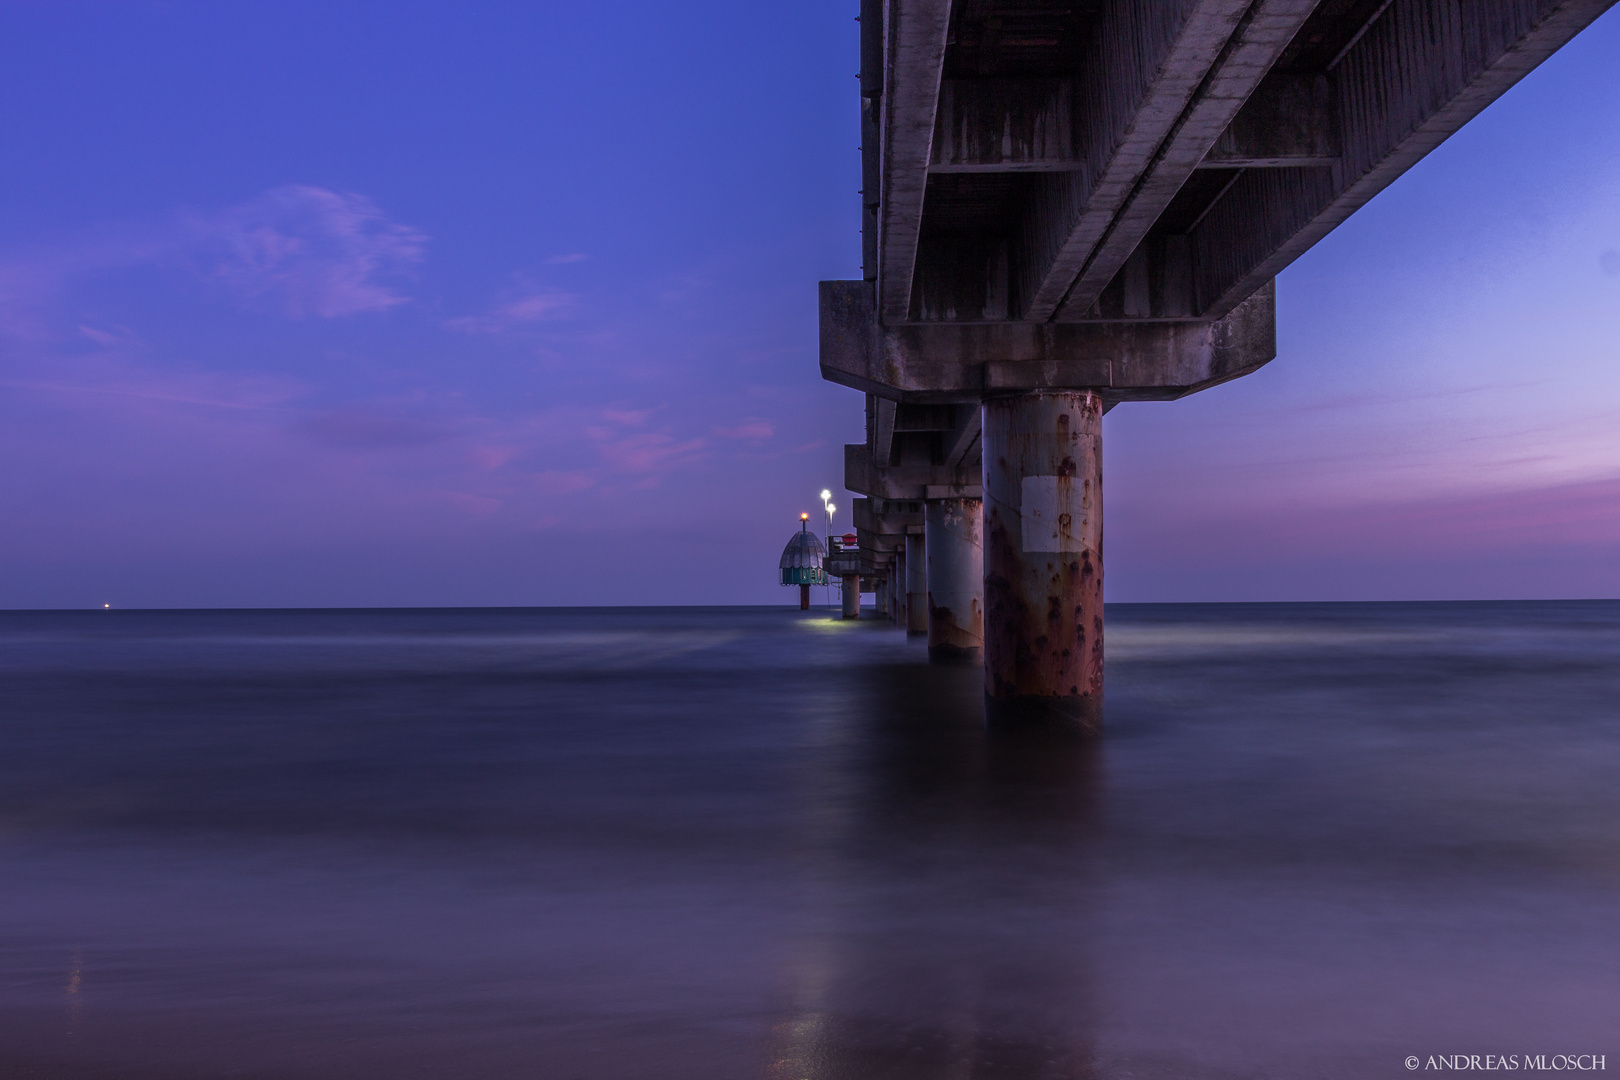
<point x="1043" y="580"/>
<point x="954" y="551"/>
<point x="916" y="584"/>
<point x="852" y="596"/>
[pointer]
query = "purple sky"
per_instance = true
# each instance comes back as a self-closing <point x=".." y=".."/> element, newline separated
<point x="514" y="303"/>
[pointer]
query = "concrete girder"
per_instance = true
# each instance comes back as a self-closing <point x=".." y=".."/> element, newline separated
<point x="1418" y="72"/>
<point x="916" y="33"/>
<point x="887" y="517"/>
<point x="1288" y="122"/>
<point x="1246" y="49"/>
<point x="1004" y="125"/>
<point x="1293" y="113"/>
<point x="907" y="482"/>
<point x="1158" y="84"/>
<point x="965" y="362"/>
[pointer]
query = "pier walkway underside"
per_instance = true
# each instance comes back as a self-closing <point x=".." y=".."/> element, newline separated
<point x="1069" y="204"/>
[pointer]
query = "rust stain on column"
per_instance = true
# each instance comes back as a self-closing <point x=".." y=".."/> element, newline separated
<point x="1043" y="558"/>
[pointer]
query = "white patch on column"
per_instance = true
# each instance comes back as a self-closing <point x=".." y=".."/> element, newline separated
<point x="1053" y="513"/>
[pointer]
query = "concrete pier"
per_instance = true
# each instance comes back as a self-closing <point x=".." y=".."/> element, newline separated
<point x="900" y="579"/>
<point x="916" y="585"/>
<point x="1043" y="579"/>
<point x="954" y="550"/>
<point x="852" y="596"/>
<point x="1101" y="223"/>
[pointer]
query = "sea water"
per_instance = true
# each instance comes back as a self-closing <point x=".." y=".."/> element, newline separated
<point x="1317" y="840"/>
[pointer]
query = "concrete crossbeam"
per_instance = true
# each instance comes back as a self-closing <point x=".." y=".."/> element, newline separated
<point x="906" y="482"/>
<point x="1123" y="361"/>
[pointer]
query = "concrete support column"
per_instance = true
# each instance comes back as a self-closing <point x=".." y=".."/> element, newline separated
<point x="916" y="584"/>
<point x="954" y="549"/>
<point x="804" y="598"/>
<point x="1043" y="583"/>
<point x="900" y="586"/>
<point x="852" y="596"/>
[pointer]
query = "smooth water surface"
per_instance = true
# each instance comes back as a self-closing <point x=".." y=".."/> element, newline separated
<point x="714" y="843"/>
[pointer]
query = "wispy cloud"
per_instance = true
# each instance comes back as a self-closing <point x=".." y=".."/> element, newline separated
<point x="516" y="313"/>
<point x="627" y="446"/>
<point x="308" y="251"/>
<point x="357" y="430"/>
<point x="752" y="428"/>
<point x="572" y="257"/>
<point x="300" y="250"/>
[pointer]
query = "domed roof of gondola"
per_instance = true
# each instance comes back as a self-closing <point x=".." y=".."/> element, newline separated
<point x="803" y="552"/>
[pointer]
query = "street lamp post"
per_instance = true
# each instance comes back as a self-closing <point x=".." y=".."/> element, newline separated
<point x="828" y="509"/>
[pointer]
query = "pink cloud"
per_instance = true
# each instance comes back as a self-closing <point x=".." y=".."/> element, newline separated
<point x="110" y="339"/>
<point x="645" y="451"/>
<point x="751" y="428"/>
<point x="492" y="457"/>
<point x="360" y="430"/>
<point x="627" y="417"/>
<point x="469" y="503"/>
<point x="561" y="483"/>
<point x="516" y="313"/>
<point x="307" y="250"/>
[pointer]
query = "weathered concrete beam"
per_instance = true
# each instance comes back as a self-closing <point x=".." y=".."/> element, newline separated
<point x="1422" y="70"/>
<point x="962" y="448"/>
<point x="1290" y="120"/>
<point x="1004" y="125"/>
<point x="964" y="362"/>
<point x="877" y="517"/>
<point x="880" y="414"/>
<point x="871" y="132"/>
<point x="1245" y="54"/>
<point x="1140" y="67"/>
<point x="916" y="31"/>
<point x="883" y="546"/>
<point x="862" y="475"/>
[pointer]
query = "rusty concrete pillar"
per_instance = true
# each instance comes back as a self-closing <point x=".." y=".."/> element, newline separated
<point x="954" y="549"/>
<point x="916" y="584"/>
<point x="900" y="586"/>
<point x="1043" y="594"/>
<point x="852" y="596"/>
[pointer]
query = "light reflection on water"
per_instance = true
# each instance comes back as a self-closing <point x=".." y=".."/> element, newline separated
<point x="744" y="842"/>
